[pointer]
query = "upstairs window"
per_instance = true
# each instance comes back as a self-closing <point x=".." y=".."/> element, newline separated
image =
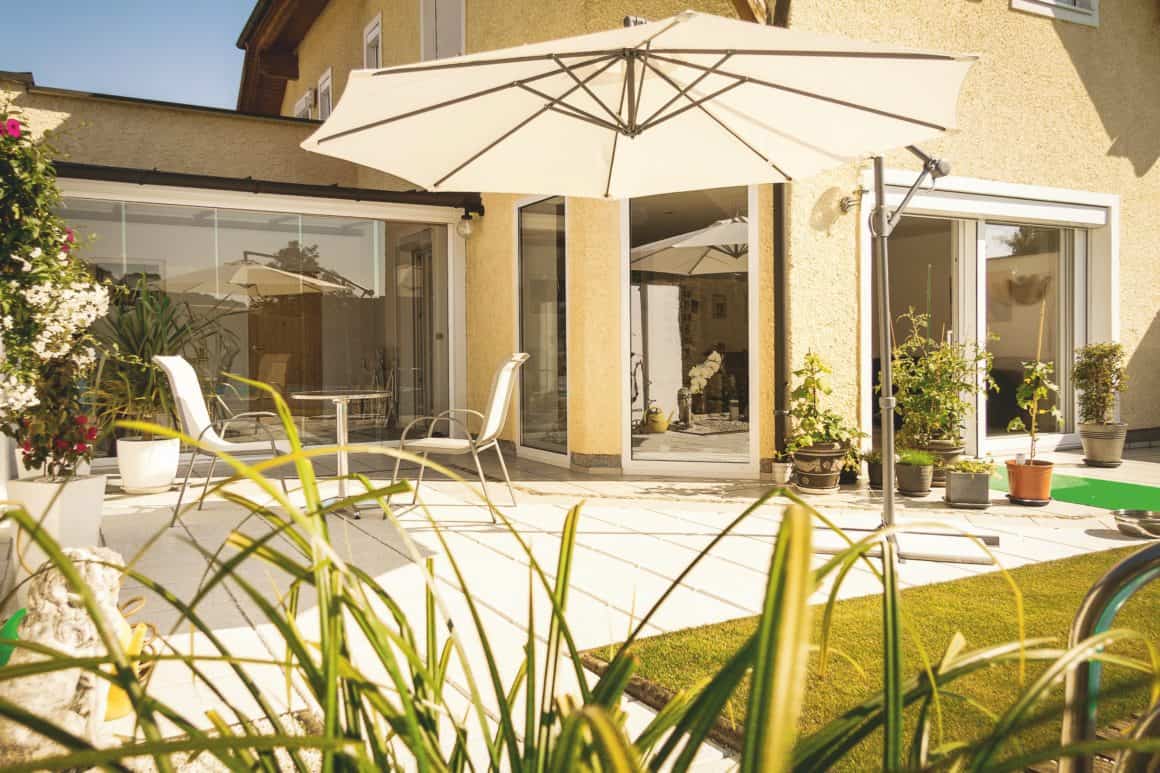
<point x="373" y="43"/>
<point x="325" y="96"/>
<point x="303" y="105"/>
<point x="441" y="28"/>
<point x="1077" y="11"/>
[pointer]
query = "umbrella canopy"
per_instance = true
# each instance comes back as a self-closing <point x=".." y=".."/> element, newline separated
<point x="720" y="248"/>
<point x="690" y="102"/>
<point x="257" y="279"/>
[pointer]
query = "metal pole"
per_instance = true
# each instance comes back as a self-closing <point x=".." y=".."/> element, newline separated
<point x="880" y="230"/>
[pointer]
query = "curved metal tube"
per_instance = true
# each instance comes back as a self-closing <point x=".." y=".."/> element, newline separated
<point x="1099" y="608"/>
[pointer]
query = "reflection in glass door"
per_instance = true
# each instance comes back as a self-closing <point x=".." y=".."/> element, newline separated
<point x="1028" y="275"/>
<point x="543" y="327"/>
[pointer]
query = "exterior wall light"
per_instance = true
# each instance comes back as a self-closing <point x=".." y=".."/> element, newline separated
<point x="465" y="227"/>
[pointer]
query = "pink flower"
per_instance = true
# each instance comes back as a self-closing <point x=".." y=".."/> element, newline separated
<point x="69" y="236"/>
<point x="80" y="448"/>
<point x="13" y="127"/>
<point x="60" y="444"/>
<point x="82" y="420"/>
<point x="91" y="433"/>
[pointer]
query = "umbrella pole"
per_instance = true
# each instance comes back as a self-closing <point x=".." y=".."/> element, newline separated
<point x="882" y="222"/>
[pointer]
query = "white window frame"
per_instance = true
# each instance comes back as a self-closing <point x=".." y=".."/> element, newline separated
<point x="750" y="469"/>
<point x="1054" y="9"/>
<point x="538" y="454"/>
<point x="1094" y="219"/>
<point x="374" y="29"/>
<point x="325" y="86"/>
<point x="302" y="107"/>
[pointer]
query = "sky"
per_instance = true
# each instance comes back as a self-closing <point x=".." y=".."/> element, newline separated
<point x="173" y="50"/>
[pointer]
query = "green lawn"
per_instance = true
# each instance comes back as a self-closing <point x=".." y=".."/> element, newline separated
<point x="981" y="607"/>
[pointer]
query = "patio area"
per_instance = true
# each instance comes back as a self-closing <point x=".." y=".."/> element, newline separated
<point x="635" y="537"/>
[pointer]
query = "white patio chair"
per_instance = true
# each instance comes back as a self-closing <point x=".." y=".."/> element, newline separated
<point x="193" y="414"/>
<point x="491" y="424"/>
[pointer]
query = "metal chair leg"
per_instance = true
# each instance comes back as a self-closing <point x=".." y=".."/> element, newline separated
<point x="419" y="480"/>
<point x="394" y="476"/>
<point x="506" y="478"/>
<point x="184" y="485"/>
<point x="482" y="481"/>
<point x="208" y="478"/>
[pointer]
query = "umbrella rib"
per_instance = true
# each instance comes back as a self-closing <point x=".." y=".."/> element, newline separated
<point x="649" y="121"/>
<point x="570" y="110"/>
<point x="821" y="54"/>
<point x="699" y="260"/>
<point x="600" y="70"/>
<point x="457" y="100"/>
<point x="693" y="103"/>
<point x="808" y="94"/>
<point x="587" y="90"/>
<point x="615" y="139"/>
<point x="722" y="124"/>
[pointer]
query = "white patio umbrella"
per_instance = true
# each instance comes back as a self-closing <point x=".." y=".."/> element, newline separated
<point x="690" y="102"/>
<point x="255" y="279"/>
<point x="686" y="103"/>
<point x="720" y="248"/>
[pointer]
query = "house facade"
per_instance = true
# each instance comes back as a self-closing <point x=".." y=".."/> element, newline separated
<point x="1042" y="239"/>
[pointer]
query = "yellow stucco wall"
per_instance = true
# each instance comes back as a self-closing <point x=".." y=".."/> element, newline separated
<point x="110" y="132"/>
<point x="1049" y="103"/>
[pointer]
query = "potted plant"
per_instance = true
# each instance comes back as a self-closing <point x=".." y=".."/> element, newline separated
<point x="820" y="438"/>
<point x="145" y="322"/>
<point x="915" y="468"/>
<point x="874" y="468"/>
<point x="936" y="385"/>
<point x="851" y="467"/>
<point x="1030" y="480"/>
<point x="49" y="304"/>
<point x="969" y="484"/>
<point x="781" y="468"/>
<point x="1100" y="375"/>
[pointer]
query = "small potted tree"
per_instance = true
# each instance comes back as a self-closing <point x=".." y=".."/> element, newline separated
<point x="969" y="484"/>
<point x="821" y="438"/>
<point x="1030" y="481"/>
<point x="143" y="323"/>
<point x="936" y="384"/>
<point x="1100" y="376"/>
<point x="915" y="469"/>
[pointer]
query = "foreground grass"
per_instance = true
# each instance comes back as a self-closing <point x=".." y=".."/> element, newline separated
<point x="980" y="607"/>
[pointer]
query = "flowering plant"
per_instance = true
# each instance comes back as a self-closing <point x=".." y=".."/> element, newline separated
<point x="699" y="375"/>
<point x="48" y="303"/>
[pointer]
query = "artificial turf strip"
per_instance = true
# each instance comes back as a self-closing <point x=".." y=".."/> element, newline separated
<point x="981" y="607"/>
<point x="1081" y="490"/>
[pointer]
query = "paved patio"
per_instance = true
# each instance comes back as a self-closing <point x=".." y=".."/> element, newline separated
<point x="635" y="536"/>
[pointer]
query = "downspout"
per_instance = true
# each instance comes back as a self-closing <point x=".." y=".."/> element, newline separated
<point x="777" y="14"/>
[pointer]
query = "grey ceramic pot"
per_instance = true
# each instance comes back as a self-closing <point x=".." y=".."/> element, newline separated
<point x="1103" y="444"/>
<point x="968" y="489"/>
<point x="913" y="479"/>
<point x="816" y="469"/>
<point x="949" y="451"/>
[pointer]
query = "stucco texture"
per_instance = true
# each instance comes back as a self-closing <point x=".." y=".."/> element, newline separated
<point x="169" y="138"/>
<point x="1049" y="103"/>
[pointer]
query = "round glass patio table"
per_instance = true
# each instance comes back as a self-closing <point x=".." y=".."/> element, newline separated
<point x="342" y="397"/>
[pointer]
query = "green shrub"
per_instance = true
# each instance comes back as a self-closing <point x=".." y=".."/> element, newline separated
<point x="913" y="457"/>
<point x="1100" y="374"/>
<point x="974" y="466"/>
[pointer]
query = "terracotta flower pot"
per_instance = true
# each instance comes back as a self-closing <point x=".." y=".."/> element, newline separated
<point x="816" y="469"/>
<point x="914" y="479"/>
<point x="1030" y="482"/>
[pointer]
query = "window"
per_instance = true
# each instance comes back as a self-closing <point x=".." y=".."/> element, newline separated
<point x="302" y="106"/>
<point x="441" y="28"/>
<point x="720" y="308"/>
<point x="1077" y="11"/>
<point x="325" y="96"/>
<point x="373" y="43"/>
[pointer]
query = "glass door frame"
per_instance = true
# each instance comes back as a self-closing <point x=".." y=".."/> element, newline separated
<point x="1089" y="222"/>
<point x="527" y="452"/>
<point x="757" y="410"/>
<point x="455" y="292"/>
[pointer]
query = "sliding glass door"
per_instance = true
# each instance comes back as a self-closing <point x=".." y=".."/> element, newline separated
<point x="543" y="328"/>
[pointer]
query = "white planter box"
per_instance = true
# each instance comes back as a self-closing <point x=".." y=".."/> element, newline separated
<point x="73" y="518"/>
<point x="147" y="466"/>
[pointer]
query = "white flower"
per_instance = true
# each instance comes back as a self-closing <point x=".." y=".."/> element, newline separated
<point x="6" y="322"/>
<point x="36" y="253"/>
<point x="15" y="395"/>
<point x="24" y="264"/>
<point x="63" y="313"/>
